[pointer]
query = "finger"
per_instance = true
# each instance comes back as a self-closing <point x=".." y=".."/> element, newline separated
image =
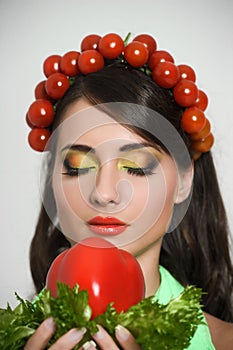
<point x="69" y="340"/>
<point x="89" y="345"/>
<point x="104" y="340"/>
<point x="40" y="338"/>
<point x="125" y="339"/>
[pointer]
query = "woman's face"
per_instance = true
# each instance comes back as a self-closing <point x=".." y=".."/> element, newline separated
<point x="111" y="183"/>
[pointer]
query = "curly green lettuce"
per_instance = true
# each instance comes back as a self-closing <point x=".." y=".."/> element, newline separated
<point x="154" y="326"/>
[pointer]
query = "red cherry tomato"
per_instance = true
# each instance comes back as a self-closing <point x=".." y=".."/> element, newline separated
<point x="148" y="41"/>
<point x="41" y="113"/>
<point x="201" y="134"/>
<point x="38" y="139"/>
<point x="90" y="42"/>
<point x="51" y="65"/>
<point x="136" y="54"/>
<point x="159" y="56"/>
<point x="185" y="93"/>
<point x="108" y="274"/>
<point x="193" y="120"/>
<point x="186" y="72"/>
<point x="166" y="74"/>
<point x="202" y="100"/>
<point x="40" y="92"/>
<point x="90" y="61"/>
<point x="111" y="46"/>
<point x="56" y="85"/>
<point x="203" y="145"/>
<point x="69" y="63"/>
<point x="29" y="122"/>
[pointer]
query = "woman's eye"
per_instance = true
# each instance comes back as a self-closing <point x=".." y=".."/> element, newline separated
<point x="76" y="164"/>
<point x="133" y="169"/>
<point x="139" y="171"/>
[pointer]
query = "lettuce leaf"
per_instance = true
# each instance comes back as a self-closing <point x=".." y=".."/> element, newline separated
<point x="154" y="326"/>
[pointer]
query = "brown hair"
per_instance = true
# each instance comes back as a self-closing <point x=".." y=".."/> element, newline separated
<point x="197" y="251"/>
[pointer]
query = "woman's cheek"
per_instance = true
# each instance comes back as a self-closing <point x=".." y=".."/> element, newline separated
<point x="161" y="192"/>
<point x="67" y="201"/>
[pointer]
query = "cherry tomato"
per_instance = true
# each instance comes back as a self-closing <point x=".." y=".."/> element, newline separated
<point x="38" y="139"/>
<point x="159" y="56"/>
<point x="29" y="122"/>
<point x="202" y="100"/>
<point x="56" y="85"/>
<point x="201" y="134"/>
<point x="69" y="63"/>
<point x="166" y="74"/>
<point x="148" y="41"/>
<point x="40" y="92"/>
<point x="41" y="113"/>
<point x="136" y="54"/>
<point x="186" y="72"/>
<point x="51" y="65"/>
<point x="111" y="46"/>
<point x="90" y="61"/>
<point x="185" y="93"/>
<point x="90" y="42"/>
<point x="204" y="145"/>
<point x="108" y="274"/>
<point x="193" y="120"/>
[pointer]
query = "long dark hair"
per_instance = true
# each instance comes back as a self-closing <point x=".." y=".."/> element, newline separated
<point x="197" y="251"/>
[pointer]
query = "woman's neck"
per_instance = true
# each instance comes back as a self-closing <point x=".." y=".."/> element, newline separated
<point x="149" y="262"/>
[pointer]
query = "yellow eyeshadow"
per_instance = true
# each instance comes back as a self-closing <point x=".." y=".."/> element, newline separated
<point x="141" y="158"/>
<point x="125" y="163"/>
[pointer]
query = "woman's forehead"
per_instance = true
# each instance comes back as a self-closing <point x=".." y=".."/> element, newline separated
<point x="86" y="124"/>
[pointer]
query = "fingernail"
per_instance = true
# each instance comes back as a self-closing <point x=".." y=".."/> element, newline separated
<point x="100" y="334"/>
<point x="89" y="345"/>
<point x="76" y="334"/>
<point x="122" y="333"/>
<point x="49" y="323"/>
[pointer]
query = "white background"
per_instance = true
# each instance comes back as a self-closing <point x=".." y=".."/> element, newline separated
<point x="198" y="33"/>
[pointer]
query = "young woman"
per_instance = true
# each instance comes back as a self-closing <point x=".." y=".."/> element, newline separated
<point x="120" y="151"/>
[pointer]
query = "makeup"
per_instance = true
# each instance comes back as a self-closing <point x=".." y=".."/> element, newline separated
<point x="106" y="225"/>
<point x="135" y="159"/>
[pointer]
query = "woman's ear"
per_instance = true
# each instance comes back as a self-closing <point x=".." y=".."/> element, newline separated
<point x="184" y="187"/>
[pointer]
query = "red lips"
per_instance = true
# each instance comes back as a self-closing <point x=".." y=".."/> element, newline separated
<point x="106" y="225"/>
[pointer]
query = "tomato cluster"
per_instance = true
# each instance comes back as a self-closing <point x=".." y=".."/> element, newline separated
<point x="140" y="53"/>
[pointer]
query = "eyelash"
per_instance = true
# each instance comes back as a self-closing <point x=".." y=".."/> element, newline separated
<point x="142" y="171"/>
<point x="74" y="171"/>
<point x="139" y="171"/>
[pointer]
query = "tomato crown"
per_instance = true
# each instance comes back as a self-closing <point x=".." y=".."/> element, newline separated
<point x="141" y="53"/>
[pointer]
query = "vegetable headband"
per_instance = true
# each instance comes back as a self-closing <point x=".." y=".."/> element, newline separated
<point x="142" y="54"/>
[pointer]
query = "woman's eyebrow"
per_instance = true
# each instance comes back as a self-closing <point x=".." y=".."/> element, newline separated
<point x="133" y="146"/>
<point x="83" y="148"/>
<point x="124" y="148"/>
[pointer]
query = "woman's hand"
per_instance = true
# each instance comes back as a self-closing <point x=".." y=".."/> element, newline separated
<point x="39" y="340"/>
<point x="105" y="342"/>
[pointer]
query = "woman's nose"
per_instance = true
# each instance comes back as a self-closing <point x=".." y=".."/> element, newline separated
<point x="105" y="189"/>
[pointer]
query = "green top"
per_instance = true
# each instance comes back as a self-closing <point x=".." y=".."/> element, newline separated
<point x="170" y="288"/>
